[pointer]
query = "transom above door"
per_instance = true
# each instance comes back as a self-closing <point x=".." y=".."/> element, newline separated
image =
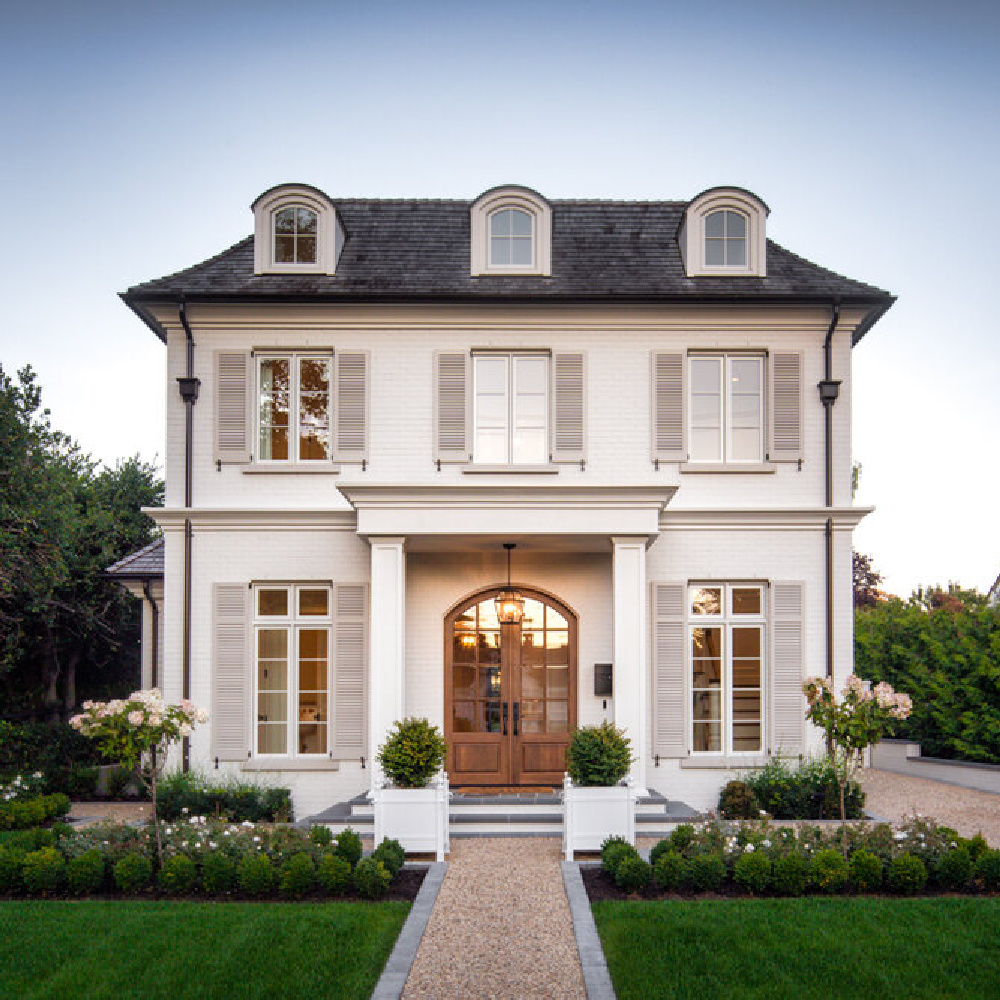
<point x="510" y="692"/>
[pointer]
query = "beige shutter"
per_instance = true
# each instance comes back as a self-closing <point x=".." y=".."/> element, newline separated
<point x="787" y="649"/>
<point x="786" y="406"/>
<point x="569" y="416"/>
<point x="669" y="704"/>
<point x="230" y="709"/>
<point x="668" y="407"/>
<point x="351" y="655"/>
<point x="451" y="416"/>
<point x="233" y="430"/>
<point x="352" y="406"/>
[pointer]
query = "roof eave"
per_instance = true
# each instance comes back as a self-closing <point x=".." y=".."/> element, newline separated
<point x="874" y="314"/>
<point x="135" y="304"/>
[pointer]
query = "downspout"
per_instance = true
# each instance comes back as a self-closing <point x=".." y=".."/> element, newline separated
<point x="188" y="386"/>
<point x="829" y="390"/>
<point x="155" y="638"/>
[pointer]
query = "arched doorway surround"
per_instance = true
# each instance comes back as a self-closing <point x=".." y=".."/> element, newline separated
<point x="510" y="690"/>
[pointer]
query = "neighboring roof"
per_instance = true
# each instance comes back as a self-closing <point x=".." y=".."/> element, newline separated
<point x="993" y="594"/>
<point x="419" y="250"/>
<point x="147" y="562"/>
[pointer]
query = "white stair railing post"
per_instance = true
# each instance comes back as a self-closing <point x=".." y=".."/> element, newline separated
<point x="567" y="811"/>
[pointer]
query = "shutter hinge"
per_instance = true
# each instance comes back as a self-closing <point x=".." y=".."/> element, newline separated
<point x="438" y="464"/>
<point x="248" y="754"/>
<point x="583" y="465"/>
<point x="362" y="763"/>
<point x="656" y="465"/>
<point x="364" y="465"/>
<point x="656" y="758"/>
<point x="217" y="763"/>
<point x="218" y="465"/>
<point x="799" y="463"/>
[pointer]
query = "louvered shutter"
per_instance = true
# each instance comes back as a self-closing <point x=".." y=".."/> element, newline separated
<point x="669" y="705"/>
<point x="668" y="407"/>
<point x="569" y="416"/>
<point x="352" y="406"/>
<point x="787" y="649"/>
<point x="230" y="671"/>
<point x="786" y="406"/>
<point x="350" y="682"/>
<point x="233" y="431"/>
<point x="451" y="416"/>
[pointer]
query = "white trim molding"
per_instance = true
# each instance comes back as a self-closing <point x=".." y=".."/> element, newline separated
<point x="495" y="200"/>
<point x="691" y="236"/>
<point x="764" y="518"/>
<point x="250" y="519"/>
<point x="329" y="232"/>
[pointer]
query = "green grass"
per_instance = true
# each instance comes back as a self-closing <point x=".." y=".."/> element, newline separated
<point x="803" y="948"/>
<point x="195" y="950"/>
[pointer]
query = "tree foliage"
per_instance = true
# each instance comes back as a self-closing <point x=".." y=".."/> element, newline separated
<point x="64" y="627"/>
<point x="943" y="648"/>
<point x="866" y="582"/>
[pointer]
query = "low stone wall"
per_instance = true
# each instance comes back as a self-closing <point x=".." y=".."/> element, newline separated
<point x="903" y="757"/>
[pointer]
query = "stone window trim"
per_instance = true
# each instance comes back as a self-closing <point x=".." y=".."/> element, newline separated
<point x="329" y="232"/>
<point x="496" y="200"/>
<point x="692" y="233"/>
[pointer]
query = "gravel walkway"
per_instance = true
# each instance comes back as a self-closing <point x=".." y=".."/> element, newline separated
<point x="501" y="926"/>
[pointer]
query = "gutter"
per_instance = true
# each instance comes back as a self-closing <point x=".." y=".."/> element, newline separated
<point x="829" y="390"/>
<point x="188" y="385"/>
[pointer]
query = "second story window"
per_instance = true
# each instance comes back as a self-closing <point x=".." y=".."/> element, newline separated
<point x="510" y="409"/>
<point x="293" y="414"/>
<point x="511" y="238"/>
<point x="295" y="230"/>
<point x="726" y="408"/>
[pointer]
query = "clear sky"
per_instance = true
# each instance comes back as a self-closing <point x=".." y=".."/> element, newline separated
<point x="135" y="135"/>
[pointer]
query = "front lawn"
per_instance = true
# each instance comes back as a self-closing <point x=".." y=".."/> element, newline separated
<point x="191" y="950"/>
<point x="803" y="948"/>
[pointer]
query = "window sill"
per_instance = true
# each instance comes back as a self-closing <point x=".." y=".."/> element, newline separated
<point x="734" y="761"/>
<point x="537" y="470"/>
<point x="290" y="764"/>
<point x="290" y="470"/>
<point x="727" y="467"/>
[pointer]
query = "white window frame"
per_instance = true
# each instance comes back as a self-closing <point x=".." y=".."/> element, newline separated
<point x="726" y="622"/>
<point x="294" y="623"/>
<point x="691" y="236"/>
<point x="725" y="453"/>
<point x="493" y="265"/>
<point x="329" y="231"/>
<point x="295" y="207"/>
<point x="511" y="358"/>
<point x="481" y="214"/>
<point x="294" y="359"/>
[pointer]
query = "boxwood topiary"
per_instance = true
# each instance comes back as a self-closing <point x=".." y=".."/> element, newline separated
<point x="43" y="871"/>
<point x="297" y="876"/>
<point x="633" y="874"/>
<point x="829" y="871"/>
<point x="660" y="848"/>
<point x="390" y="852"/>
<point x="907" y="875"/>
<point x="133" y="872"/>
<point x="85" y="873"/>
<point x="752" y="872"/>
<point x="11" y="861"/>
<point x="178" y="875"/>
<point x="371" y="878"/>
<point x="615" y="855"/>
<point x="953" y="869"/>
<point x="598" y="755"/>
<point x="737" y="801"/>
<point x="255" y="875"/>
<point x="866" y="872"/>
<point x="682" y="836"/>
<point x="348" y="846"/>
<point x="333" y="873"/>
<point x="707" y="872"/>
<point x="790" y="875"/>
<point x="218" y="873"/>
<point x="413" y="753"/>
<point x="987" y="869"/>
<point x="671" y="871"/>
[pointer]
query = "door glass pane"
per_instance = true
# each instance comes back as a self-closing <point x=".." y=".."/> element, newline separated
<point x="491" y="716"/>
<point x="464" y="647"/>
<point x="706" y="375"/>
<point x="558" y="717"/>
<point x="487" y="611"/>
<point x="463" y="715"/>
<point x="558" y="682"/>
<point x="534" y="614"/>
<point x="272" y="602"/>
<point x="275" y="377"/>
<point x="489" y="647"/>
<point x="532" y="648"/>
<point x="314" y="408"/>
<point x="272" y="643"/>
<point x="746" y="600"/>
<point x="707" y="737"/>
<point x="745" y="445"/>
<point x="706" y="601"/>
<point x="463" y="681"/>
<point x="706" y="705"/>
<point x="557" y="647"/>
<point x="491" y="447"/>
<point x="530" y="447"/>
<point x="271" y="738"/>
<point x="532" y="716"/>
<point x="312" y="738"/>
<point x="272" y="707"/>
<point x="553" y="619"/>
<point x="314" y="602"/>
<point x="532" y="682"/>
<point x="706" y="445"/>
<point x="489" y="682"/>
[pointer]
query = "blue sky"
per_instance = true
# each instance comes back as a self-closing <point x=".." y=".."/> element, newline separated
<point x="135" y="136"/>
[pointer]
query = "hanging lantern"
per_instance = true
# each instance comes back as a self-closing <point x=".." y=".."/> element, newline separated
<point x="509" y="603"/>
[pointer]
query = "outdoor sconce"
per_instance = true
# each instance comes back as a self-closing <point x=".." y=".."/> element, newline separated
<point x="602" y="680"/>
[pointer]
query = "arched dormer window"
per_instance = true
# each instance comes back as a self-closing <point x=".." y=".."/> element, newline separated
<point x="511" y="230"/>
<point x="723" y="233"/>
<point x="296" y="231"/>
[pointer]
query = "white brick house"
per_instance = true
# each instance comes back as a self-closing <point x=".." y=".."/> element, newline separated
<point x="375" y="396"/>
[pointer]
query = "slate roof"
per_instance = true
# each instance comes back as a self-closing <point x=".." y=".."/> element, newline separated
<point x="146" y="562"/>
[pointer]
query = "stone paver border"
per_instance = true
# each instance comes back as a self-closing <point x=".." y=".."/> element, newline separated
<point x="596" y="977"/>
<point x="397" y="969"/>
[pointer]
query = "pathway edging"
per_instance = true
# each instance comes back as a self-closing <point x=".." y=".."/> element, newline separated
<point x="596" y="977"/>
<point x="397" y="969"/>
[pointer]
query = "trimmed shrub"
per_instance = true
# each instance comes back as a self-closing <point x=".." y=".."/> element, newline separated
<point x="907" y="875"/>
<point x="707" y="872"/>
<point x="32" y="839"/>
<point x="218" y="873"/>
<point x="178" y="875"/>
<point x="633" y="874"/>
<point x="321" y="836"/>
<point x="333" y="873"/>
<point x="236" y="801"/>
<point x="297" y="876"/>
<point x="953" y="869"/>
<point x="671" y="871"/>
<point x="791" y="874"/>
<point x="829" y="871"/>
<point x="806" y="791"/>
<point x="658" y="850"/>
<point x="255" y="875"/>
<point x="371" y="878"/>
<point x="615" y="855"/>
<point x="752" y="872"/>
<point x="976" y="846"/>
<point x="987" y="869"/>
<point x="737" y="801"/>
<point x="11" y="861"/>
<point x="598" y="755"/>
<point x="85" y="873"/>
<point x="682" y="837"/>
<point x="608" y="843"/>
<point x="866" y="872"/>
<point x="391" y="854"/>
<point x="413" y="753"/>
<point x="348" y="846"/>
<point x="43" y="871"/>
<point x="133" y="872"/>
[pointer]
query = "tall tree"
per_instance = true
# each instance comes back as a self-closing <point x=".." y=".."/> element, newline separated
<point x="866" y="582"/>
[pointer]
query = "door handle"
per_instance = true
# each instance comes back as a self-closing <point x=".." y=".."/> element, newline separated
<point x="505" y="718"/>
<point x="516" y="707"/>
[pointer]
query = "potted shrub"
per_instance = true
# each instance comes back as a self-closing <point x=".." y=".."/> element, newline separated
<point x="598" y="793"/>
<point x="411" y="803"/>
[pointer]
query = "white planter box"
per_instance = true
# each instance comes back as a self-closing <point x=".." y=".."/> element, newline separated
<point x="591" y="814"/>
<point x="416" y="817"/>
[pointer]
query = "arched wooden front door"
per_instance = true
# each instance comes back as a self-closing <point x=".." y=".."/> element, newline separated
<point x="510" y="692"/>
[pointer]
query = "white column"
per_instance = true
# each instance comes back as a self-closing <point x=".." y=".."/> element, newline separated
<point x="631" y="682"/>
<point x="387" y="658"/>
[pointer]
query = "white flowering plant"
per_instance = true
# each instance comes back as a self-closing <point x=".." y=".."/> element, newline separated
<point x="22" y="786"/>
<point x="137" y="732"/>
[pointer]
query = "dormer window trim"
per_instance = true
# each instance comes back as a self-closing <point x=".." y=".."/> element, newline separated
<point x="486" y="211"/>
<point x="697" y="232"/>
<point x="329" y="232"/>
